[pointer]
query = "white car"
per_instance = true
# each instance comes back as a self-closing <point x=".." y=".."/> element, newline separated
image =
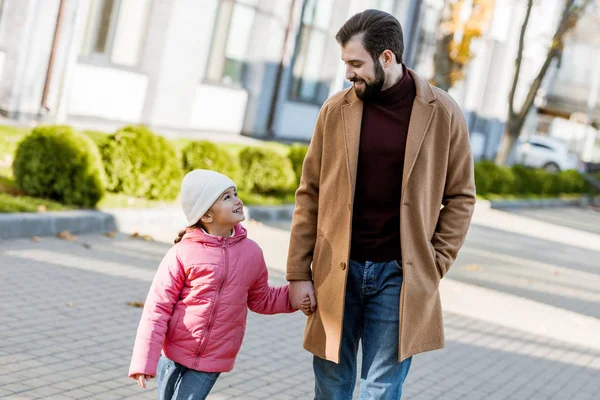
<point x="545" y="152"/>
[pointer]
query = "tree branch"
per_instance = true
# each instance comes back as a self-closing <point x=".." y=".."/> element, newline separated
<point x="518" y="61"/>
<point x="570" y="14"/>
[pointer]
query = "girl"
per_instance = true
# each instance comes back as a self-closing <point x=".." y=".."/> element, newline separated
<point x="198" y="302"/>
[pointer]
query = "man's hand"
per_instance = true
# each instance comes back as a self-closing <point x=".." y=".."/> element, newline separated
<point x="299" y="290"/>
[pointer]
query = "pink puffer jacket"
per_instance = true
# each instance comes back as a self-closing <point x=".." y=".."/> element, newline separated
<point x="198" y="303"/>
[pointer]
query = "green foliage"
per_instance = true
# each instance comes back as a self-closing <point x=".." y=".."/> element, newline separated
<point x="58" y="163"/>
<point x="520" y="181"/>
<point x="203" y="154"/>
<point x="296" y="154"/>
<point x="265" y="171"/>
<point x="99" y="138"/>
<point x="568" y="182"/>
<point x="531" y="180"/>
<point x="491" y="178"/>
<point x="141" y="164"/>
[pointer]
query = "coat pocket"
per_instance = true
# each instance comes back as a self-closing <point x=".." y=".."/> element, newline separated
<point x="438" y="270"/>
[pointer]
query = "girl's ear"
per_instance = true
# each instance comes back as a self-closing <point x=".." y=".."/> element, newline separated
<point x="207" y="218"/>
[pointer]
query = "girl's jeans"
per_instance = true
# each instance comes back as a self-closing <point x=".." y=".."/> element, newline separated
<point x="178" y="382"/>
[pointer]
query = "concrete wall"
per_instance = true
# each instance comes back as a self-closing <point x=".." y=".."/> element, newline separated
<point x="218" y="109"/>
<point x="107" y="93"/>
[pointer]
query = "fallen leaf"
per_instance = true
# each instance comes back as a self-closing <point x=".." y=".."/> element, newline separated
<point x="137" y="304"/>
<point x="66" y="235"/>
<point x="111" y="234"/>
<point x="41" y="208"/>
<point x="69" y="304"/>
<point x="35" y="238"/>
<point x="147" y="238"/>
<point x="473" y="268"/>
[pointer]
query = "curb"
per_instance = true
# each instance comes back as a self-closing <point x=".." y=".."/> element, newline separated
<point x="147" y="221"/>
<point x="16" y="225"/>
<point x="154" y="221"/>
<point x="535" y="203"/>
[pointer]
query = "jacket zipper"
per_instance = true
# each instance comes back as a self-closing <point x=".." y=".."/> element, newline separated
<point x="213" y="315"/>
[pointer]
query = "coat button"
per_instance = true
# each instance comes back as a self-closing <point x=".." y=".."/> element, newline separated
<point x="343" y="265"/>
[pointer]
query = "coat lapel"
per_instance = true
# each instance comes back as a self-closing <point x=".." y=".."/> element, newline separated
<point x="352" y="119"/>
<point x="420" y="119"/>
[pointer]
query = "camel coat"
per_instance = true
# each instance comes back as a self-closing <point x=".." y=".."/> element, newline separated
<point x="438" y="170"/>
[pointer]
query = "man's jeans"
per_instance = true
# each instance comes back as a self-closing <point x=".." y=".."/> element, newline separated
<point x="371" y="314"/>
<point x="178" y="382"/>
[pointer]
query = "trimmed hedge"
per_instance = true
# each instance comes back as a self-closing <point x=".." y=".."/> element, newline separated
<point x="297" y="154"/>
<point x="203" y="154"/>
<point x="520" y="180"/>
<point x="266" y="171"/>
<point x="60" y="164"/>
<point x="142" y="164"/>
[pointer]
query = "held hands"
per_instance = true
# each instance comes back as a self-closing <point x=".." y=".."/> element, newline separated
<point x="305" y="306"/>
<point x="141" y="379"/>
<point x="299" y="292"/>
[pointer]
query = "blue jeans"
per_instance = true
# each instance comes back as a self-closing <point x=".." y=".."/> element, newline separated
<point x="371" y="315"/>
<point x="176" y="382"/>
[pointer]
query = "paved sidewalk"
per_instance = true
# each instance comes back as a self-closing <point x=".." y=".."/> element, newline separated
<point x="66" y="330"/>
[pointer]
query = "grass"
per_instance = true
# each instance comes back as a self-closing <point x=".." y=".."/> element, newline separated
<point x="119" y="200"/>
<point x="12" y="204"/>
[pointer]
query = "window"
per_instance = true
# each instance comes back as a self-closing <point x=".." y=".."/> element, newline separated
<point x="114" y="31"/>
<point x="231" y="38"/>
<point x="308" y="83"/>
<point x="541" y="146"/>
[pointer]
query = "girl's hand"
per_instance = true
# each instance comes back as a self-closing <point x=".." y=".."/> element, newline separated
<point x="141" y="379"/>
<point x="305" y="306"/>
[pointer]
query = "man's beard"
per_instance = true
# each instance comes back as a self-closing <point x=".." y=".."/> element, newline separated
<point x="371" y="89"/>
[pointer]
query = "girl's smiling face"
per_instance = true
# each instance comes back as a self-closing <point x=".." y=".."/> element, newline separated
<point x="227" y="211"/>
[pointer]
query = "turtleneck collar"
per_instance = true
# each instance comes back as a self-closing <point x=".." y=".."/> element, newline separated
<point x="397" y="92"/>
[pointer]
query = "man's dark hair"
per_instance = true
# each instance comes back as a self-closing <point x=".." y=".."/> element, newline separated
<point x="379" y="31"/>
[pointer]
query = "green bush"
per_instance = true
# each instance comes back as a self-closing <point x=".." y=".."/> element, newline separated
<point x="99" y="138"/>
<point x="207" y="155"/>
<point x="58" y="163"/>
<point x="491" y="178"/>
<point x="532" y="181"/>
<point x="568" y="182"/>
<point x="296" y="154"/>
<point x="142" y="164"/>
<point x="265" y="171"/>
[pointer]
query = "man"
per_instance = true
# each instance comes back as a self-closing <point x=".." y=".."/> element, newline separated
<point x="370" y="240"/>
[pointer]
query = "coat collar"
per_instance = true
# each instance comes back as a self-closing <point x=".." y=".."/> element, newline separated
<point x="420" y="118"/>
<point x="197" y="235"/>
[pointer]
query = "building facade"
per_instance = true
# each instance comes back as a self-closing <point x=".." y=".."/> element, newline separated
<point x="261" y="68"/>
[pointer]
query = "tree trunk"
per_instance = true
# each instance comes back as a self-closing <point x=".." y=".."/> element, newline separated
<point x="443" y="63"/>
<point x="509" y="139"/>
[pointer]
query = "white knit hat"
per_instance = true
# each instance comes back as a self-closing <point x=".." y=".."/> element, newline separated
<point x="199" y="191"/>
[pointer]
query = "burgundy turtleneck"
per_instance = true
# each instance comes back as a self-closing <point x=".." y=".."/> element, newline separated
<point x="376" y="216"/>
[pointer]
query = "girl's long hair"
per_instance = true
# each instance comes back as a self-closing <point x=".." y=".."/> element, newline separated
<point x="182" y="232"/>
